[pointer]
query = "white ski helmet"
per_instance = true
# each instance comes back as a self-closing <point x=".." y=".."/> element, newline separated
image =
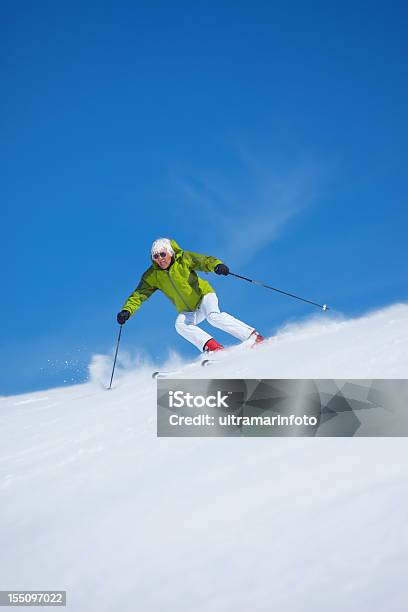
<point x="161" y="244"/>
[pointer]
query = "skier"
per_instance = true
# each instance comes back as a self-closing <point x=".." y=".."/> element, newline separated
<point x="173" y="271"/>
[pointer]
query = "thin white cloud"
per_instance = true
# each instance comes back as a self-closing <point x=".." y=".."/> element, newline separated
<point x="252" y="208"/>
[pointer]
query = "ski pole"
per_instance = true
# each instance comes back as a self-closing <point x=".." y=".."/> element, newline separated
<point x="250" y="280"/>
<point x="116" y="354"/>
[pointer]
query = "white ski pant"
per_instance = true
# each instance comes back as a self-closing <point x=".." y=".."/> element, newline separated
<point x="187" y="322"/>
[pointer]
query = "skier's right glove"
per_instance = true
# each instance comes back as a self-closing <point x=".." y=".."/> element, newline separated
<point x="123" y="316"/>
<point x="221" y="268"/>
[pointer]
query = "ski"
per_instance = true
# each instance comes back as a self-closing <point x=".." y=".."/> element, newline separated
<point x="162" y="374"/>
<point x="208" y="362"/>
<point x="165" y="374"/>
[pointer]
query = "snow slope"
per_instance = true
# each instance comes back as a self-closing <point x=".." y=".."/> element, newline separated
<point x="91" y="501"/>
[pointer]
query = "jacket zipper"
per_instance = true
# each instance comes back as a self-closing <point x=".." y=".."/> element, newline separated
<point x="180" y="296"/>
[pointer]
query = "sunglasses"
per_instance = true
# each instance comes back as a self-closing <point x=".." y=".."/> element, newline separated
<point x="162" y="255"/>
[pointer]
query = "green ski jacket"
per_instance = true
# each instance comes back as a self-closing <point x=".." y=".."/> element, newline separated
<point x="179" y="282"/>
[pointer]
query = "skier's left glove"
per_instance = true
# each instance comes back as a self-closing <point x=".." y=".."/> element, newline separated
<point x="123" y="316"/>
<point x="221" y="269"/>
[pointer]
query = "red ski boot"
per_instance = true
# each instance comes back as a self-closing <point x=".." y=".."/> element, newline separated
<point x="256" y="337"/>
<point x="211" y="346"/>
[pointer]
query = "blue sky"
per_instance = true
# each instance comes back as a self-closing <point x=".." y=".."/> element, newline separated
<point x="271" y="135"/>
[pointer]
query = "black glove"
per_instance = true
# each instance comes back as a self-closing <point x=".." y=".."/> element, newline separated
<point x="221" y="269"/>
<point x="123" y="316"/>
